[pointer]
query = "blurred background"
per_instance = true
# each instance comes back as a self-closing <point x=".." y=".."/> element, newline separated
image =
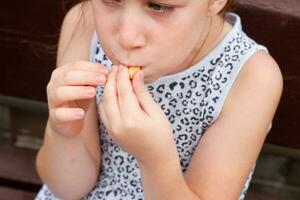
<point x="29" y="33"/>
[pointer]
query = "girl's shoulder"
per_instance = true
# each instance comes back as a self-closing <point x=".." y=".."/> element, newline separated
<point x="76" y="34"/>
<point x="260" y="80"/>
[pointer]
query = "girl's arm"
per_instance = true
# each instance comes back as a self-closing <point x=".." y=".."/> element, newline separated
<point x="230" y="147"/>
<point x="70" y="166"/>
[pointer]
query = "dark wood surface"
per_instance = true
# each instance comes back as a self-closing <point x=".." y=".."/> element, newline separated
<point x="18" y="166"/>
<point x="276" y="24"/>
<point x="257" y="196"/>
<point x="7" y="193"/>
<point x="29" y="28"/>
<point x="29" y="32"/>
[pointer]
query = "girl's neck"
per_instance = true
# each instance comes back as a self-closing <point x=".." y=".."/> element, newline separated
<point x="214" y="32"/>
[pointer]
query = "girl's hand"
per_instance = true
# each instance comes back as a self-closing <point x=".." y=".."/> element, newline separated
<point x="70" y="91"/>
<point x="134" y="120"/>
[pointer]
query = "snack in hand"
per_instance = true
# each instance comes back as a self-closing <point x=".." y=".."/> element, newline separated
<point x="132" y="70"/>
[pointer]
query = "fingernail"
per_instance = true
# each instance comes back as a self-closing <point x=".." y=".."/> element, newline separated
<point x="106" y="71"/>
<point x="79" y="114"/>
<point x="90" y="91"/>
<point x="100" y="78"/>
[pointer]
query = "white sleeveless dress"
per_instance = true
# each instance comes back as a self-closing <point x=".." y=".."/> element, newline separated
<point x="191" y="99"/>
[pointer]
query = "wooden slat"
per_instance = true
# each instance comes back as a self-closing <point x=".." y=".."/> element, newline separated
<point x="257" y="196"/>
<point x="18" y="165"/>
<point x="286" y="7"/>
<point x="15" y="194"/>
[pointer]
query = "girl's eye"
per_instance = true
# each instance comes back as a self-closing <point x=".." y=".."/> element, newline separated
<point x="160" y="8"/>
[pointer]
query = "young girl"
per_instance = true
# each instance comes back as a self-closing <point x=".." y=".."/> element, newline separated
<point x="188" y="126"/>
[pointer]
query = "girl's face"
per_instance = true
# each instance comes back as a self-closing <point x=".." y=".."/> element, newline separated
<point x="162" y="36"/>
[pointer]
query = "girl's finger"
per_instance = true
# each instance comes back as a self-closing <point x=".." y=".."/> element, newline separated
<point x="145" y="99"/>
<point x="87" y="66"/>
<point x="128" y="103"/>
<point x="72" y="93"/>
<point x="77" y="77"/>
<point x="110" y="99"/>
<point x="67" y="114"/>
<point x="79" y="66"/>
<point x="103" y="116"/>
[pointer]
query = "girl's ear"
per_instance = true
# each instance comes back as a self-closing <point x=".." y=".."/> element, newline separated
<point x="216" y="6"/>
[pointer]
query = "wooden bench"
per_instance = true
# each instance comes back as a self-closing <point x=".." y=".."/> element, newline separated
<point x="276" y="24"/>
<point x="27" y="30"/>
<point x="18" y="177"/>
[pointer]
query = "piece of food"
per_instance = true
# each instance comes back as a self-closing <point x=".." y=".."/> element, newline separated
<point x="132" y="70"/>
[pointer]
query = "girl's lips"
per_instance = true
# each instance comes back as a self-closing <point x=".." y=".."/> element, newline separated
<point x="129" y="65"/>
<point x="126" y="63"/>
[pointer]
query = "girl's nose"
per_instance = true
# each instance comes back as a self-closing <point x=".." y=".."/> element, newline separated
<point x="131" y="33"/>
